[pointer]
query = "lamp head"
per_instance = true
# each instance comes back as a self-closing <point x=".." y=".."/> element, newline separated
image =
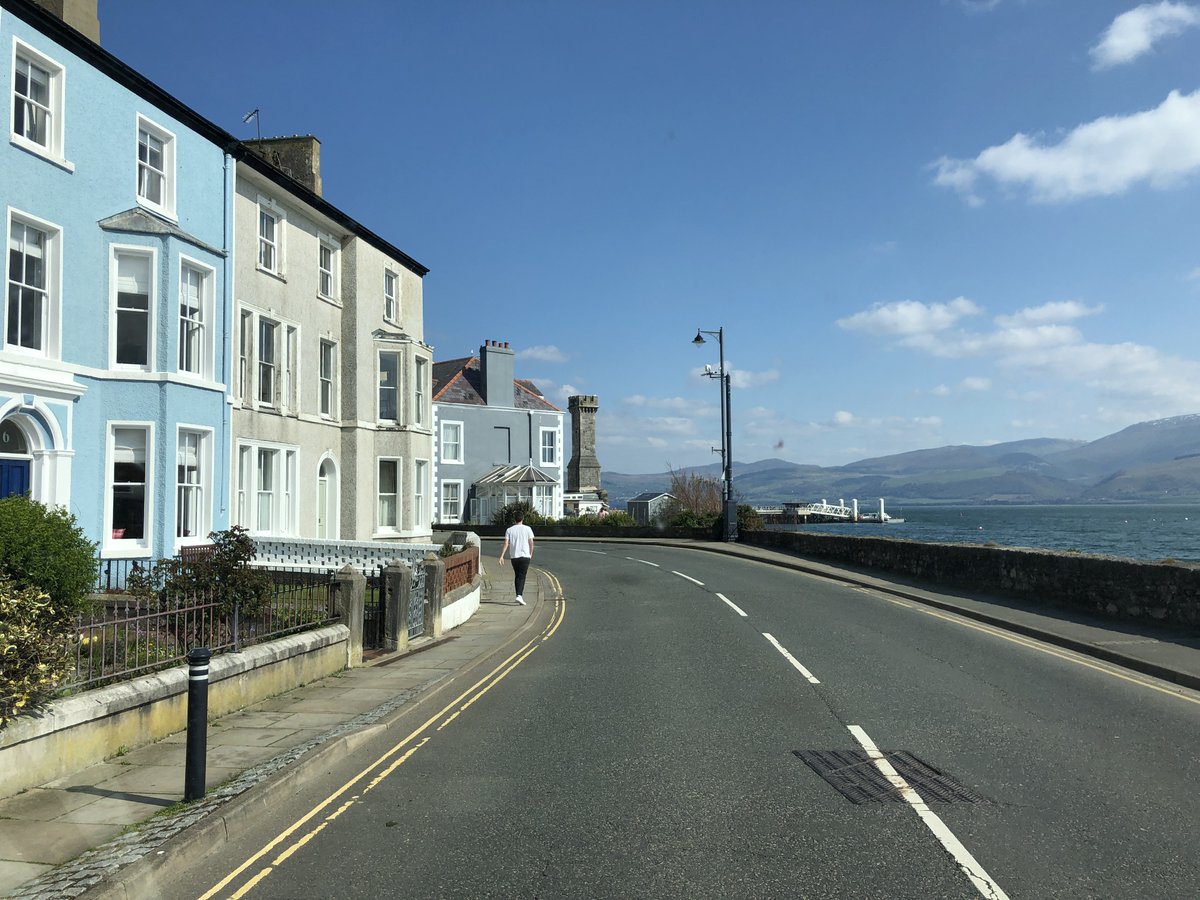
<point x="698" y="339"/>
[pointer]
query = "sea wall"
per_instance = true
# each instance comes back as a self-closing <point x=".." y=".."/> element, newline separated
<point x="1121" y="588"/>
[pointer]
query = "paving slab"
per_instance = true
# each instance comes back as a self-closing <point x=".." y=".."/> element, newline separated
<point x="247" y="737"/>
<point x="117" y="809"/>
<point x="42" y="804"/>
<point x="14" y="874"/>
<point x="300" y="720"/>
<point x="51" y="842"/>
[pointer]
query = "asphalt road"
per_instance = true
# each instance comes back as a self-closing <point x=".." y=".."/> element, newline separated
<point x="646" y="746"/>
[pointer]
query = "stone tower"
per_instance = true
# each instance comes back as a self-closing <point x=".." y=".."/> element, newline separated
<point x="583" y="471"/>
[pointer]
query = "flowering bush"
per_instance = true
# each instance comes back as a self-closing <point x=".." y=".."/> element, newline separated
<point x="33" y="648"/>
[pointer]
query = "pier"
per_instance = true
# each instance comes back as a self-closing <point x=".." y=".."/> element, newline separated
<point x="806" y="513"/>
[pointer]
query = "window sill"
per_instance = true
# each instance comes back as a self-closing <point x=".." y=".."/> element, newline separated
<point x="124" y="550"/>
<point x="42" y="153"/>
<point x="278" y="276"/>
<point x="160" y="211"/>
<point x="332" y="301"/>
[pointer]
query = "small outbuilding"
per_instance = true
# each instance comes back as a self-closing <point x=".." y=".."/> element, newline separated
<point x="648" y="505"/>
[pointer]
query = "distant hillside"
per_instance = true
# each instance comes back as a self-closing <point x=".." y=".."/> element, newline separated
<point x="1138" y="445"/>
<point x="962" y="457"/>
<point x="1174" y="480"/>
<point x="1157" y="460"/>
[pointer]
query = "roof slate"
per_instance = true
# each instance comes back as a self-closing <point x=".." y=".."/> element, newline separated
<point x="461" y="381"/>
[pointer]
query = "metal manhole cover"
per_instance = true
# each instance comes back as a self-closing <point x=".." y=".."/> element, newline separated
<point x="856" y="777"/>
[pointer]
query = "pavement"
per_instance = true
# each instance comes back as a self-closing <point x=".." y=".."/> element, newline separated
<point x="108" y="830"/>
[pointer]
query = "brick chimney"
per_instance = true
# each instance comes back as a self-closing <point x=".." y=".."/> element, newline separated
<point x="79" y="14"/>
<point x="298" y="156"/>
<point x="583" y="471"/>
<point x="496" y="369"/>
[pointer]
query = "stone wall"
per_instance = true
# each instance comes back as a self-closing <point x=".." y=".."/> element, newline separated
<point x="83" y="730"/>
<point x="1121" y="588"/>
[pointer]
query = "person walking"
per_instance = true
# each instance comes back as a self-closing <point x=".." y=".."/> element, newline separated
<point x="518" y="537"/>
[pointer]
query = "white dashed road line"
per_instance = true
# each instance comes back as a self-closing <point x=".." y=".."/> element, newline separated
<point x="597" y="552"/>
<point x="732" y="605"/>
<point x="982" y="880"/>
<point x="644" y="562"/>
<point x="688" y="577"/>
<point x="795" y="662"/>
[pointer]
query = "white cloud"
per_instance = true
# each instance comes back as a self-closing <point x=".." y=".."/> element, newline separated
<point x="548" y="353"/>
<point x="909" y="317"/>
<point x="1127" y="374"/>
<point x="895" y="425"/>
<point x="554" y="392"/>
<point x="1107" y="156"/>
<point x="676" y="404"/>
<point x="941" y="391"/>
<point x="1134" y="33"/>
<point x="739" y="378"/>
<point x="1060" y="311"/>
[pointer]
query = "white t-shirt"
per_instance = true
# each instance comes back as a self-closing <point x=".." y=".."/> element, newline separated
<point x="520" y="539"/>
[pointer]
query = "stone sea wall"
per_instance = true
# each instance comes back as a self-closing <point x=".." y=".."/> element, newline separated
<point x="1121" y="588"/>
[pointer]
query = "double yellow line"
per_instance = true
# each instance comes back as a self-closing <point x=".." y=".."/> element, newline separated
<point x="286" y="842"/>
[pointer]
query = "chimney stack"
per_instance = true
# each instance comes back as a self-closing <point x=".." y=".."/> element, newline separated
<point x="496" y="371"/>
<point x="79" y="14"/>
<point x="298" y="157"/>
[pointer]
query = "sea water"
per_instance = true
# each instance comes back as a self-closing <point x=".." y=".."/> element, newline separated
<point x="1141" y="531"/>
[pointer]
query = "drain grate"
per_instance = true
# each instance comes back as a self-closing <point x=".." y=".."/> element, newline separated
<point x="856" y="777"/>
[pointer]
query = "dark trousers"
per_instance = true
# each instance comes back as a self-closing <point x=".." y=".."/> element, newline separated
<point x="520" y="566"/>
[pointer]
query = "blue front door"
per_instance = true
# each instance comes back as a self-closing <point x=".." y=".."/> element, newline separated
<point x="14" y="477"/>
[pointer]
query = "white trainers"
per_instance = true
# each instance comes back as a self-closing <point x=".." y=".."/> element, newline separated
<point x="520" y="599"/>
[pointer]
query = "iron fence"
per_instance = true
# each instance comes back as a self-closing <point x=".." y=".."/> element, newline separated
<point x="125" y="636"/>
<point x="112" y="575"/>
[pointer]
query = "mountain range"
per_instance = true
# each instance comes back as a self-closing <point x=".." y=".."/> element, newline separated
<point x="1151" y="461"/>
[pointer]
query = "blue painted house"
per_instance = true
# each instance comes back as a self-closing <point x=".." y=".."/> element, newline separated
<point x="114" y="363"/>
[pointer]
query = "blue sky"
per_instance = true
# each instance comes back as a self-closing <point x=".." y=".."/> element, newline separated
<point x="920" y="223"/>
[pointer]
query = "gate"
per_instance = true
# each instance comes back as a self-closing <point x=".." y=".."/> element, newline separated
<point x="375" y="611"/>
<point x="416" y="602"/>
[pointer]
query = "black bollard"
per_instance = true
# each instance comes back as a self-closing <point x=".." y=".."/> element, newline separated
<point x="197" y="724"/>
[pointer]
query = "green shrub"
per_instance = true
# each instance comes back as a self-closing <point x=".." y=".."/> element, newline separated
<point x="34" y="658"/>
<point x="748" y="519"/>
<point x="42" y="547"/>
<point x="507" y="515"/>
<point x="685" y="518"/>
<point x="617" y="518"/>
<point x="224" y="570"/>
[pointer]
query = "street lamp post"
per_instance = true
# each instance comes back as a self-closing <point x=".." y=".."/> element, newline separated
<point x="729" y="504"/>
